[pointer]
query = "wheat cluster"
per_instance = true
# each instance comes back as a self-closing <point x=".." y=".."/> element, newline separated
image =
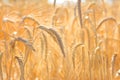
<point x="71" y="41"/>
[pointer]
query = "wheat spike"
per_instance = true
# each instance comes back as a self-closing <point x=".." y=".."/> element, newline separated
<point x="44" y="44"/>
<point x="26" y="42"/>
<point x="30" y="17"/>
<point x="55" y="36"/>
<point x="29" y="33"/>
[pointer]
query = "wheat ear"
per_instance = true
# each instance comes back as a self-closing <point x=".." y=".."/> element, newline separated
<point x="44" y="45"/>
<point x="31" y="18"/>
<point x="54" y="34"/>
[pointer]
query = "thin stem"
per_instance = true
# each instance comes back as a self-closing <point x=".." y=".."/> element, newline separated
<point x="54" y="3"/>
<point x="80" y="12"/>
<point x="1" y="73"/>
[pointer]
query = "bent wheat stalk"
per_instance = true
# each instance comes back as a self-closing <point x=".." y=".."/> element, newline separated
<point x="53" y="33"/>
<point x="28" y="32"/>
<point x="31" y="18"/>
<point x="91" y="5"/>
<point x="26" y="42"/>
<point x="104" y="20"/>
<point x="73" y="52"/>
<point x="28" y="45"/>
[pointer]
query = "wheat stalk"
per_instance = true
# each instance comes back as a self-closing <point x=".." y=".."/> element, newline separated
<point x="91" y="5"/>
<point x="21" y="64"/>
<point x="26" y="42"/>
<point x="80" y="13"/>
<point x="75" y="8"/>
<point x="73" y="52"/>
<point x="118" y="26"/>
<point x="31" y="18"/>
<point x="29" y="33"/>
<point x="85" y="29"/>
<point x="94" y="30"/>
<point x="94" y="20"/>
<point x="55" y="36"/>
<point x="44" y="45"/>
<point x="93" y="10"/>
<point x="59" y="39"/>
<point x="58" y="13"/>
<point x="28" y="45"/>
<point x="104" y="20"/>
<point x="113" y="63"/>
<point x="1" y="72"/>
<point x="54" y="3"/>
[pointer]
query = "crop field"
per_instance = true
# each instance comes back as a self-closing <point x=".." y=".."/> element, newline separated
<point x="69" y="41"/>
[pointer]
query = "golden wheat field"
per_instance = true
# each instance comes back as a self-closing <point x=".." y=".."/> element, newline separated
<point x="71" y="41"/>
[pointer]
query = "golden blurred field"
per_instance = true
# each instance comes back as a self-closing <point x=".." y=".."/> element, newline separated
<point x="42" y="41"/>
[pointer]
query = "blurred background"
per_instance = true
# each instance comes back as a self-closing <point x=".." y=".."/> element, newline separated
<point x="62" y="1"/>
